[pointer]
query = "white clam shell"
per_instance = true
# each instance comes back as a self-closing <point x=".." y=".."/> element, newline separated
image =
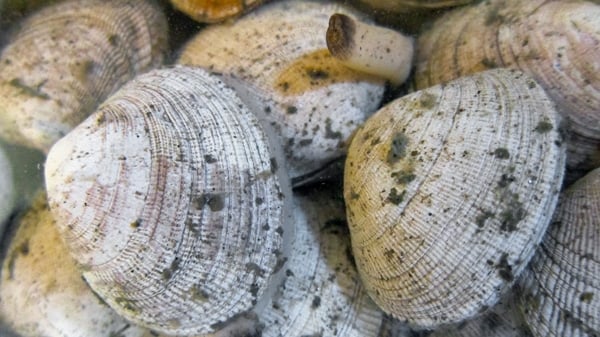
<point x="42" y="292"/>
<point x="67" y="58"/>
<point x="7" y="190"/>
<point x="170" y="198"/>
<point x="322" y="294"/>
<point x="448" y="191"/>
<point x="555" y="42"/>
<point x="561" y="286"/>
<point x="279" y="59"/>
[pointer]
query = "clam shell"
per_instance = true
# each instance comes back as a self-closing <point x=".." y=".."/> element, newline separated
<point x="7" y="190"/>
<point x="448" y="190"/>
<point x="322" y="294"/>
<point x="412" y="5"/>
<point x="214" y="11"/>
<point x="42" y="291"/>
<point x="67" y="58"/>
<point x="556" y="42"/>
<point x="561" y="287"/>
<point x="281" y="67"/>
<point x="170" y="197"/>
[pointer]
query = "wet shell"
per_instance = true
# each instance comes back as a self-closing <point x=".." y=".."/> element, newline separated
<point x="448" y="191"/>
<point x="503" y="320"/>
<point x="68" y="58"/>
<point x="556" y="42"/>
<point x="412" y="5"/>
<point x="7" y="190"/>
<point x="42" y="291"/>
<point x="170" y="197"/>
<point x="281" y="66"/>
<point x="214" y="10"/>
<point x="561" y="287"/>
<point x="322" y="294"/>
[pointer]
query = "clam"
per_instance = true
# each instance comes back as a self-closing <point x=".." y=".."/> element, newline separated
<point x="561" y="287"/>
<point x="214" y="11"/>
<point x="448" y="191"/>
<point x="412" y="5"/>
<point x="41" y="287"/>
<point x="171" y="199"/>
<point x="556" y="42"/>
<point x="322" y="294"/>
<point x="67" y="58"/>
<point x="7" y="190"/>
<point x="277" y="59"/>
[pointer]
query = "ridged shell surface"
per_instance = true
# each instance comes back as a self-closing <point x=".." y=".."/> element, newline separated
<point x="280" y="56"/>
<point x="214" y="10"/>
<point x="448" y="190"/>
<point x="67" y="58"/>
<point x="7" y="190"/>
<point x="322" y="294"/>
<point x="42" y="293"/>
<point x="561" y="286"/>
<point x="556" y="42"/>
<point x="170" y="198"/>
<point x="412" y="5"/>
<point x="503" y="320"/>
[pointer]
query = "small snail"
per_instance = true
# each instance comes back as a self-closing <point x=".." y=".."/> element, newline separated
<point x="67" y="58"/>
<point x="448" y="191"/>
<point x="555" y="42"/>
<point x="277" y="59"/>
<point x="185" y="229"/>
<point x="214" y="11"/>
<point x="560" y="289"/>
<point x="41" y="287"/>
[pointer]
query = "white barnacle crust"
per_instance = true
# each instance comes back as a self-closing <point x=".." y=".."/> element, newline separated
<point x="170" y="197"/>
<point x="370" y="48"/>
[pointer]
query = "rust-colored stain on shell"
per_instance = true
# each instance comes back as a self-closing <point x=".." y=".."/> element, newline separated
<point x="214" y="10"/>
<point x="315" y="70"/>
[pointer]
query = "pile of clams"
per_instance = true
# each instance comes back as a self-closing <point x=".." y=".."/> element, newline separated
<point x="279" y="178"/>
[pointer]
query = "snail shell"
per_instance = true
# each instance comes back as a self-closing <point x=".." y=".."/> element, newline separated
<point x="279" y="60"/>
<point x="556" y="42"/>
<point x="322" y="294"/>
<point x="561" y="286"/>
<point x="7" y="190"/>
<point x="214" y="11"/>
<point x="448" y="190"/>
<point x="42" y="291"/>
<point x="170" y="197"/>
<point x="67" y="58"/>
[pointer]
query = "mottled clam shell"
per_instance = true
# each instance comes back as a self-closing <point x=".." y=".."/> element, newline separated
<point x="556" y="42"/>
<point x="213" y="10"/>
<point x="322" y="294"/>
<point x="170" y="197"/>
<point x="448" y="190"/>
<point x="412" y="5"/>
<point x="7" y="190"/>
<point x="280" y="63"/>
<point x="67" y="58"/>
<point x="41" y="289"/>
<point x="561" y="286"/>
<point x="503" y="320"/>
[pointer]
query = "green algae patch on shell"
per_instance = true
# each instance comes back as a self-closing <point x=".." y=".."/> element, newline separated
<point x="447" y="242"/>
